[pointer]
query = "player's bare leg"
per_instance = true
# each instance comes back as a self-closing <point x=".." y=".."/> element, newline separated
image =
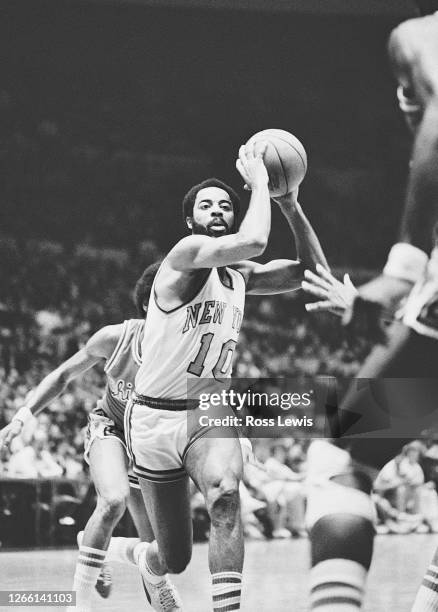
<point x="168" y="507"/>
<point x="123" y="550"/>
<point x="413" y="51"/>
<point x="402" y="380"/>
<point x="426" y="599"/>
<point x="215" y="465"/>
<point x="108" y="467"/>
<point x="137" y="511"/>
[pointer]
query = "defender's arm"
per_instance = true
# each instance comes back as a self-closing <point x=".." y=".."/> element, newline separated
<point x="99" y="346"/>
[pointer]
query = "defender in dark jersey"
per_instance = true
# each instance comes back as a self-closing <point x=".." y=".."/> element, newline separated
<point x="342" y="535"/>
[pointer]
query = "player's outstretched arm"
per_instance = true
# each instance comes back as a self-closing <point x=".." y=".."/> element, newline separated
<point x="99" y="346"/>
<point x="421" y="209"/>
<point x="199" y="251"/>
<point x="415" y="68"/>
<point x="282" y="275"/>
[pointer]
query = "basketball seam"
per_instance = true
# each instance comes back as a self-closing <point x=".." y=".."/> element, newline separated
<point x="292" y="147"/>
<point x="282" y="167"/>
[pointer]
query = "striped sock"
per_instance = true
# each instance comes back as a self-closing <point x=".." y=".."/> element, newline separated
<point x="337" y="585"/>
<point x="427" y="596"/>
<point x="226" y="591"/>
<point x="88" y="567"/>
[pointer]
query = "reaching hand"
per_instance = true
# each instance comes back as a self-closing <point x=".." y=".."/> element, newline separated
<point x="337" y="296"/>
<point x="251" y="166"/>
<point x="11" y="431"/>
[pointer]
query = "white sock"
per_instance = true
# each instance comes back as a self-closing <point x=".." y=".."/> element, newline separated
<point x="121" y="550"/>
<point x="137" y="550"/>
<point x="151" y="576"/>
<point x="226" y="588"/>
<point x="337" y="585"/>
<point x="427" y="596"/>
<point x="87" y="570"/>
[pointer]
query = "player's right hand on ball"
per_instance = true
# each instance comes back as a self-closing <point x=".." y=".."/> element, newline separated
<point x="11" y="431"/>
<point x="251" y="166"/>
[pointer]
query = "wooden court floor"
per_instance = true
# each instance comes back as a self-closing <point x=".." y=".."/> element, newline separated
<point x="275" y="576"/>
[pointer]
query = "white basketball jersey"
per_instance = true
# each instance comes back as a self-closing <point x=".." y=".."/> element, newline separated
<point x="192" y="344"/>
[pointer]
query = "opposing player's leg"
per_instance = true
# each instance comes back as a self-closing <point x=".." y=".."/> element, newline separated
<point x="403" y="383"/>
<point x="215" y="465"/>
<point x="340" y="522"/>
<point x="391" y="360"/>
<point x="426" y="599"/>
<point x="108" y="468"/>
<point x="122" y="549"/>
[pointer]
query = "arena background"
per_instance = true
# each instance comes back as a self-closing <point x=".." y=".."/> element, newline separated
<point x="109" y="112"/>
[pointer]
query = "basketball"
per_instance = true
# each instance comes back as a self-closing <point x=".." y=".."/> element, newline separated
<point x="285" y="159"/>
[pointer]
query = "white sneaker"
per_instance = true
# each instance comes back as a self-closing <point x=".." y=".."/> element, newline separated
<point x="163" y="595"/>
<point x="104" y="581"/>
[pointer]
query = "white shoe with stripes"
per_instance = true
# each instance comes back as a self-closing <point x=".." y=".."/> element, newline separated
<point x="162" y="596"/>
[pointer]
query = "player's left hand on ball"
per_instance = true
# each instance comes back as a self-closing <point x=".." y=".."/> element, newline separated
<point x="287" y="200"/>
<point x="251" y="166"/>
<point x="11" y="431"/>
<point x="336" y="296"/>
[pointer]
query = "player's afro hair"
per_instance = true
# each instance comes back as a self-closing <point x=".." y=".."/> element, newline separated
<point x="427" y="7"/>
<point x="142" y="290"/>
<point x="190" y="197"/>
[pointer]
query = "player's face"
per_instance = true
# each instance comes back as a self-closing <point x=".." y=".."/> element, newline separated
<point x="213" y="213"/>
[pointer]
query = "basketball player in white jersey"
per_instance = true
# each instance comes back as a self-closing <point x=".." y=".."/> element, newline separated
<point x="342" y="534"/>
<point x="105" y="451"/>
<point x="194" y="316"/>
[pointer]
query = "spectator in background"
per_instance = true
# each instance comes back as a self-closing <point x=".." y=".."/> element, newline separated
<point x="400" y="479"/>
<point x="34" y="460"/>
<point x="67" y="459"/>
<point x="276" y="484"/>
<point x="404" y="501"/>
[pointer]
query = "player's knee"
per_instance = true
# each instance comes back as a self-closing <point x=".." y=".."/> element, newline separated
<point x="342" y="536"/>
<point x="223" y="501"/>
<point x="343" y="527"/>
<point x="179" y="562"/>
<point x="112" y="505"/>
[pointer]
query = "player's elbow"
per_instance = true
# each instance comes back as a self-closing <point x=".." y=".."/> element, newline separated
<point x="254" y="245"/>
<point x="259" y="245"/>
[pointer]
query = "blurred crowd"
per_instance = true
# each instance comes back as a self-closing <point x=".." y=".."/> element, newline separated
<point x="51" y="304"/>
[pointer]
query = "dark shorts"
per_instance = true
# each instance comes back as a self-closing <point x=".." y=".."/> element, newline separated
<point x="401" y="390"/>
